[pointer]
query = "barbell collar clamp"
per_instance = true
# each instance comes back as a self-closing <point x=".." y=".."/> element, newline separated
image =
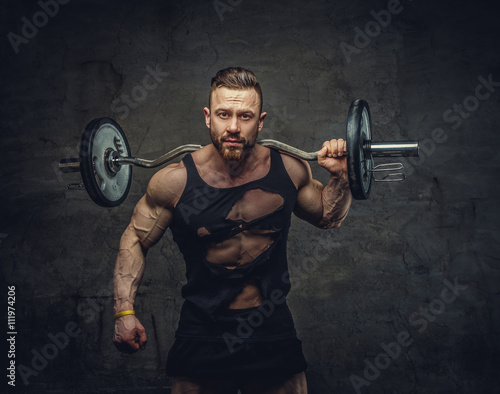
<point x="388" y="167"/>
<point x="397" y="177"/>
<point x="75" y="186"/>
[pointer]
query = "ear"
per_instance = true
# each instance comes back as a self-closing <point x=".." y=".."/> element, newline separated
<point x="206" y="112"/>
<point x="261" y="120"/>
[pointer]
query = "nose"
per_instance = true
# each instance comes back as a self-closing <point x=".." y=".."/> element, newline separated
<point x="233" y="126"/>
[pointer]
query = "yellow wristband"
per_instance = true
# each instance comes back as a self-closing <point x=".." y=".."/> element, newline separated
<point x="124" y="313"/>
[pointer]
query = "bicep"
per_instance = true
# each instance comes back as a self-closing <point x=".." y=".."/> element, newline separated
<point x="309" y="205"/>
<point x="155" y="210"/>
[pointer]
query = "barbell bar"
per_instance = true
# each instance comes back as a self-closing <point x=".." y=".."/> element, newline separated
<point x="105" y="161"/>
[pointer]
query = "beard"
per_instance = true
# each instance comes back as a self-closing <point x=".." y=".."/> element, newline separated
<point x="232" y="153"/>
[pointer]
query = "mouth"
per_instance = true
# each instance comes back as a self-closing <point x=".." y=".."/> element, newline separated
<point x="233" y="142"/>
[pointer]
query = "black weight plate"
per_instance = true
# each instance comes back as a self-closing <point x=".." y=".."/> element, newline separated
<point x="359" y="162"/>
<point x="106" y="188"/>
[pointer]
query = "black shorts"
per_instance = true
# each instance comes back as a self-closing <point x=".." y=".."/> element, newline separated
<point x="214" y="360"/>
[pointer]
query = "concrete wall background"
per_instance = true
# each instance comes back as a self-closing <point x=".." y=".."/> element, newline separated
<point x="356" y="288"/>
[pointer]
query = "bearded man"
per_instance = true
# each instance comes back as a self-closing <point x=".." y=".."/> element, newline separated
<point x="229" y="207"/>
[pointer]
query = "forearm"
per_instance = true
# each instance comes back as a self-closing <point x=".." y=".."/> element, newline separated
<point x="336" y="198"/>
<point x="129" y="269"/>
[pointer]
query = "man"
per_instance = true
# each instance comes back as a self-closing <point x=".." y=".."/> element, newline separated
<point x="229" y="207"/>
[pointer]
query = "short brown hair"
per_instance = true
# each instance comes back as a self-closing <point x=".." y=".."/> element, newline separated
<point x="235" y="78"/>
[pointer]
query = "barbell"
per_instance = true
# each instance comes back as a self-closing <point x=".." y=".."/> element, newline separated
<point x="105" y="161"/>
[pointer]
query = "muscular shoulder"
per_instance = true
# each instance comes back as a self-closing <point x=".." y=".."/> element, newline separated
<point x="298" y="170"/>
<point x="166" y="186"/>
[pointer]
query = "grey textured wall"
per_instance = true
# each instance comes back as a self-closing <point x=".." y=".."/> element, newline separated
<point x="375" y="286"/>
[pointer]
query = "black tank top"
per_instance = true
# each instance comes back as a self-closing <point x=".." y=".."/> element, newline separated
<point x="204" y="217"/>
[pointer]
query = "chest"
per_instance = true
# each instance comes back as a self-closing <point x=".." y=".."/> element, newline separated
<point x="212" y="214"/>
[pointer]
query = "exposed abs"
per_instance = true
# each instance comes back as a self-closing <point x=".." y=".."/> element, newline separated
<point x="244" y="247"/>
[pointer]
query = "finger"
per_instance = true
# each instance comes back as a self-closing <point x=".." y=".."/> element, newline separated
<point x="323" y="151"/>
<point x="142" y="339"/>
<point x="129" y="343"/>
<point x="338" y="147"/>
<point x="332" y="148"/>
<point x="130" y="346"/>
<point x="341" y="147"/>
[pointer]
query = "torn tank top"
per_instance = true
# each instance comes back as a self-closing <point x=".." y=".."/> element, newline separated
<point x="208" y="218"/>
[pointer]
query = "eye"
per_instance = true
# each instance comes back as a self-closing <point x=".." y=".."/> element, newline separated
<point x="246" y="116"/>
<point x="223" y="115"/>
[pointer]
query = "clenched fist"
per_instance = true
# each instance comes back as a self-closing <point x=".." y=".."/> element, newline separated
<point x="129" y="335"/>
<point x="332" y="156"/>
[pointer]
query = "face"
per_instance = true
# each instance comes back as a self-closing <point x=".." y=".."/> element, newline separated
<point x="234" y="121"/>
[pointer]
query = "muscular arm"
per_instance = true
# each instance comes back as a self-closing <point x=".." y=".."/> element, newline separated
<point x="323" y="206"/>
<point x="151" y="217"/>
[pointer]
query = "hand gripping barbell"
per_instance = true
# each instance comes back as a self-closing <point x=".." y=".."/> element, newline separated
<point x="106" y="165"/>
